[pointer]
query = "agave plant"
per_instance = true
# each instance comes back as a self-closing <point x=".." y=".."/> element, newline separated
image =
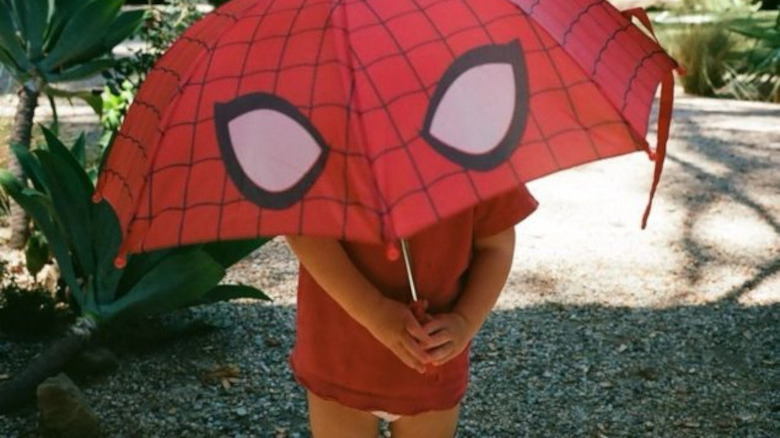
<point x="84" y="237"/>
<point x="45" y="42"/>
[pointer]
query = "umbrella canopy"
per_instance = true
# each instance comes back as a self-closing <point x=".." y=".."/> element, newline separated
<point x="372" y="120"/>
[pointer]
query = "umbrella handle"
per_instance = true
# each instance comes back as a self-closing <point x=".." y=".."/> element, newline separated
<point x="419" y="308"/>
<point x="408" y="265"/>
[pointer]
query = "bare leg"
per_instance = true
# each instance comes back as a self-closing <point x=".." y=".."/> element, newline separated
<point x="433" y="424"/>
<point x="330" y="419"/>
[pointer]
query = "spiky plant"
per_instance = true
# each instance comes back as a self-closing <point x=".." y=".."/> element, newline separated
<point x="46" y="42"/>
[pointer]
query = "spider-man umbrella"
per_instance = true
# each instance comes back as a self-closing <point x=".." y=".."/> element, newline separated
<point x="371" y="120"/>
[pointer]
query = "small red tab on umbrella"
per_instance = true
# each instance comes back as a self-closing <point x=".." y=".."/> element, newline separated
<point x="392" y="252"/>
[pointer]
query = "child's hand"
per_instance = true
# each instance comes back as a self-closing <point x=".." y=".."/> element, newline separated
<point x="449" y="335"/>
<point x="395" y="326"/>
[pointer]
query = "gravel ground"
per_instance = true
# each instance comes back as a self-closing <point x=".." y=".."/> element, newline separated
<point x="603" y="330"/>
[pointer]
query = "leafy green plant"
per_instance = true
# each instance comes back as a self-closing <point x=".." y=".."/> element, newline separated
<point x="757" y="74"/>
<point x="729" y="48"/>
<point x="84" y="238"/>
<point x="45" y="42"/>
<point x="163" y="24"/>
<point x="705" y="51"/>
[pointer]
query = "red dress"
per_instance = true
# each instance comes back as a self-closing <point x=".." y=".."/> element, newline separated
<point x="338" y="359"/>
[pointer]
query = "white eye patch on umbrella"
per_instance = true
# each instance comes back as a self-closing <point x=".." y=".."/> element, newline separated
<point x="477" y="114"/>
<point x="272" y="152"/>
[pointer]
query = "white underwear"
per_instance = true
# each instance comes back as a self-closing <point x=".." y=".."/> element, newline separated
<point x="386" y="416"/>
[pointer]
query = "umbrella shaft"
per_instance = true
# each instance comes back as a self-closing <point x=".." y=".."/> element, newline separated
<point x="408" y="264"/>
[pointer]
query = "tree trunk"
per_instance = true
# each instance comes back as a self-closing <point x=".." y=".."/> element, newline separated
<point x="21" y="135"/>
<point x="21" y="388"/>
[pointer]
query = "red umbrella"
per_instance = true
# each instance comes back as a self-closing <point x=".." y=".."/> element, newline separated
<point x="371" y="120"/>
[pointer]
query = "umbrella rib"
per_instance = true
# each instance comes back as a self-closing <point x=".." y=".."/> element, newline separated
<point x="566" y="89"/>
<point x="341" y="36"/>
<point x="371" y="81"/>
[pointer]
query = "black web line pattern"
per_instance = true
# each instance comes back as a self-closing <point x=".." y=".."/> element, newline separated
<point x="192" y="153"/>
<point x="419" y="80"/>
<point x="353" y="112"/>
<point x="617" y="19"/>
<point x="454" y="56"/>
<point x="313" y="86"/>
<point x="226" y="177"/>
<point x="515" y="173"/>
<point x="569" y="100"/>
<point x="136" y="143"/>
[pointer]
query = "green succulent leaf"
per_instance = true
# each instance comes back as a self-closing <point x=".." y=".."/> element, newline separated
<point x="81" y="71"/>
<point x="768" y="36"/>
<point x="30" y="166"/>
<point x="138" y="265"/>
<point x="227" y="292"/>
<point x="8" y="62"/>
<point x="39" y="207"/>
<point x="36" y="253"/>
<point x="33" y="18"/>
<point x="123" y="27"/>
<point x="178" y="281"/>
<point x="106" y="239"/>
<point x="62" y="11"/>
<point x="229" y="252"/>
<point x="71" y="199"/>
<point x="10" y="43"/>
<point x="93" y="18"/>
<point x="79" y="151"/>
<point x="20" y="9"/>
<point x="56" y="147"/>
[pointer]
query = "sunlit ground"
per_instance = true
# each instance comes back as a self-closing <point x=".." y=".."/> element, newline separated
<point x="713" y="233"/>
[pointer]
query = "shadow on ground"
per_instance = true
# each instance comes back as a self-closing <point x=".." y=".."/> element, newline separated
<point x="550" y="370"/>
<point x="720" y="167"/>
<point x="711" y="370"/>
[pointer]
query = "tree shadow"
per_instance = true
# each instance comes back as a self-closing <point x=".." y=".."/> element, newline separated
<point x="719" y="166"/>
<point x="555" y="370"/>
<point x="541" y="371"/>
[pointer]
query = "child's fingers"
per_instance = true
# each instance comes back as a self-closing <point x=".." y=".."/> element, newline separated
<point x="416" y="349"/>
<point x="413" y="355"/>
<point x="442" y="353"/>
<point x="416" y="331"/>
<point x="438" y="339"/>
<point x="434" y="325"/>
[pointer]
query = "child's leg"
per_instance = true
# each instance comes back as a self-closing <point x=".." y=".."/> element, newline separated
<point x="330" y="419"/>
<point x="433" y="424"/>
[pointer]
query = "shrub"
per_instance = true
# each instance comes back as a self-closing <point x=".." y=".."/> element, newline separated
<point x="704" y="50"/>
<point x="29" y="312"/>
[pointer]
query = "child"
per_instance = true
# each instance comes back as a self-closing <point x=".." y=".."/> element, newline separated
<point x="361" y="353"/>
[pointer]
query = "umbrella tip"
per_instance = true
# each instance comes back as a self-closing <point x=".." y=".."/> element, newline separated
<point x="391" y="252"/>
<point x="121" y="261"/>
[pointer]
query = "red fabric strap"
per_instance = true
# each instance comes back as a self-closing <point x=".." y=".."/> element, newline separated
<point x="664" y="114"/>
<point x="640" y="15"/>
<point x="664" y="123"/>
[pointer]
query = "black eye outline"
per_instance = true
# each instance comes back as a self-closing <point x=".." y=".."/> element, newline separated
<point x="512" y="54"/>
<point x="224" y="113"/>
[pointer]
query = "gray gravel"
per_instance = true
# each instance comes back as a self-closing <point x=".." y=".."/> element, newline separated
<point x="603" y="330"/>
